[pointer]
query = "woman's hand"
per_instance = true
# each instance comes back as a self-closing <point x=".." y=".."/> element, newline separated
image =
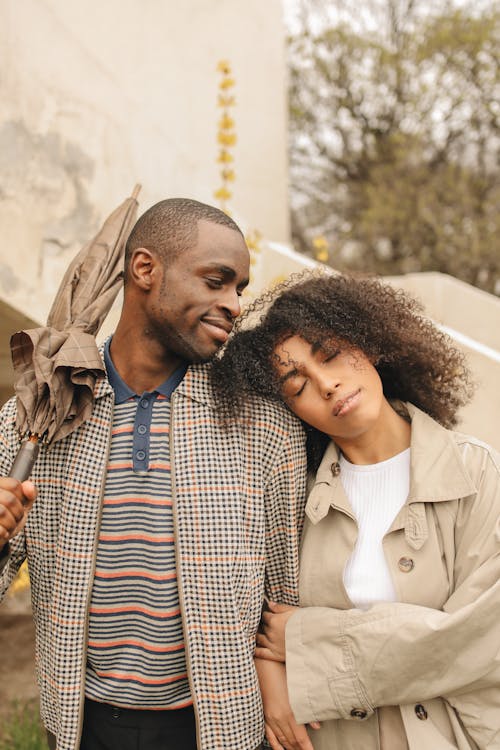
<point x="271" y="638"/>
<point x="282" y="731"/>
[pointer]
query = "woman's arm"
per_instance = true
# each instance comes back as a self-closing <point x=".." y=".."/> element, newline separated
<point x="281" y="728"/>
<point x="343" y="664"/>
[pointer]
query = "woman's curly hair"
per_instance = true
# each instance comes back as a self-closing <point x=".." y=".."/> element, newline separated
<point x="416" y="362"/>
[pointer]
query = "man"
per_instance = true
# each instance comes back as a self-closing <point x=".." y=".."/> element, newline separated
<point x="147" y="543"/>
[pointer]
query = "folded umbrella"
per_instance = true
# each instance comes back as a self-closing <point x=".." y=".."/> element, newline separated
<point x="56" y="367"/>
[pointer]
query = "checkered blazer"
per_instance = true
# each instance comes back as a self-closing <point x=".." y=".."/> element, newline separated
<point x="238" y="505"/>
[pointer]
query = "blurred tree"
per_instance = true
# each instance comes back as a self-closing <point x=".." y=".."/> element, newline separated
<point x="395" y="135"/>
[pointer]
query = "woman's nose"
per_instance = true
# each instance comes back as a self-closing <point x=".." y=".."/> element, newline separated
<point x="327" y="385"/>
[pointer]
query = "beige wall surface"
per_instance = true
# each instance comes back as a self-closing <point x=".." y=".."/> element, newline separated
<point x="472" y="318"/>
<point x="456" y="304"/>
<point x="97" y="96"/>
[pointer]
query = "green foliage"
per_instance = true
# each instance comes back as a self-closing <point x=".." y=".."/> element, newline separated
<point x="395" y="136"/>
<point x="22" y="729"/>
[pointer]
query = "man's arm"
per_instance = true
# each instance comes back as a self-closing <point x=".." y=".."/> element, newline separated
<point x="284" y="500"/>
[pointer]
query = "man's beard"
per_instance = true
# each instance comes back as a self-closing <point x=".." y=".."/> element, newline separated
<point x="175" y="343"/>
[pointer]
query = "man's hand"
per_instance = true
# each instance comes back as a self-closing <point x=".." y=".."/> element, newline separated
<point x="271" y="639"/>
<point x="16" y="499"/>
<point x="282" y="731"/>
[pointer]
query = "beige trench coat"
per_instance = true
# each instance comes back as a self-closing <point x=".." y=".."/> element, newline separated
<point x="434" y="667"/>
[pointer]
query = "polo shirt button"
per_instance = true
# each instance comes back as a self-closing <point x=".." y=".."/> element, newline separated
<point x="421" y="712"/>
<point x="142" y="429"/>
<point x="405" y="564"/>
<point x="358" y="713"/>
<point x="335" y="468"/>
<point x="144" y="403"/>
<point x="140" y="455"/>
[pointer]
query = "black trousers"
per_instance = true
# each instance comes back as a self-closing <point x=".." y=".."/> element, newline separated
<point x="108" y="727"/>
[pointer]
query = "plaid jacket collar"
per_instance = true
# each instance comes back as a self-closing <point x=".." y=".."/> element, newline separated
<point x="195" y="384"/>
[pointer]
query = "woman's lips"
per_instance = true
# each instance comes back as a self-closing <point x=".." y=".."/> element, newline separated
<point x="344" y="405"/>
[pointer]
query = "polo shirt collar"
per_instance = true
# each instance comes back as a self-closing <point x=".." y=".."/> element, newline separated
<point x="122" y="390"/>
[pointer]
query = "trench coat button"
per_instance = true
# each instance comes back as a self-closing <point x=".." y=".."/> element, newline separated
<point x="421" y="712"/>
<point x="358" y="713"/>
<point x="405" y="564"/>
<point x="335" y="468"/>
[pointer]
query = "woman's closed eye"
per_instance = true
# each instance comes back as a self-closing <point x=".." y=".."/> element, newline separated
<point x="330" y="356"/>
<point x="295" y="389"/>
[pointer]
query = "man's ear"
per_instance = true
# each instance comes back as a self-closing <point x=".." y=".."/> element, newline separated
<point x="143" y="268"/>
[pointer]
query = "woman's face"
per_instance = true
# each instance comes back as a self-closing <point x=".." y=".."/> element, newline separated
<point x="337" y="391"/>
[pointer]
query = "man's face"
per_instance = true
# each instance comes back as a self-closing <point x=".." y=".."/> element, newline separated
<point x="192" y="312"/>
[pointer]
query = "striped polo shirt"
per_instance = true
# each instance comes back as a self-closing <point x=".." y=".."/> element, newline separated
<point x="136" y="656"/>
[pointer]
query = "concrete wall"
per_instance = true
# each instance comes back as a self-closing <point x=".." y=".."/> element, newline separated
<point x="472" y="318"/>
<point x="460" y="306"/>
<point x="97" y="96"/>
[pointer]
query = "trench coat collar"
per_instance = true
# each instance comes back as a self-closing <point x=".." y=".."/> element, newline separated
<point x="437" y="473"/>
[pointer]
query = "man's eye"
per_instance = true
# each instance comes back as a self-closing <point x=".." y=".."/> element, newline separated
<point x="214" y="282"/>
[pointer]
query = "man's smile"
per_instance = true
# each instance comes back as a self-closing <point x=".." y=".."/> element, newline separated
<point x="218" y="327"/>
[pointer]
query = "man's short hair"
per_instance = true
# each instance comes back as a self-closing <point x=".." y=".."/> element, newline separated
<point x="171" y="226"/>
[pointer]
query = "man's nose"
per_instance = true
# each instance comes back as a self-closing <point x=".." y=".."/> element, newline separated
<point x="231" y="303"/>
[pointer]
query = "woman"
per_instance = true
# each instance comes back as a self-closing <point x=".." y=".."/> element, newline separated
<point x="396" y="643"/>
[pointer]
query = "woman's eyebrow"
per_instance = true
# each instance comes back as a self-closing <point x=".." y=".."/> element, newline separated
<point x="290" y="374"/>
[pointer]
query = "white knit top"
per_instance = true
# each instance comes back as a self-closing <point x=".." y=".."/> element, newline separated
<point x="376" y="493"/>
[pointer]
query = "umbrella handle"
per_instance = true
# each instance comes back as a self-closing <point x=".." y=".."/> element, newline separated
<point x="25" y="459"/>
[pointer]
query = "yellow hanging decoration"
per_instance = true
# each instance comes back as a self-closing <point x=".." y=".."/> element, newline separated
<point x="253" y="239"/>
<point x="226" y="136"/>
<point x="321" y="250"/>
